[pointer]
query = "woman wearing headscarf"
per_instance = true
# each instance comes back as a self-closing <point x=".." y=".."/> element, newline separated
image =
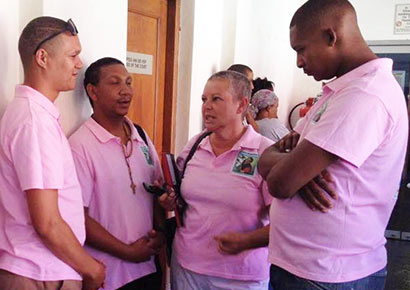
<point x="265" y="111"/>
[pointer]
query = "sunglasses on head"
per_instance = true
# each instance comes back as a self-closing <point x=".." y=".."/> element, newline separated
<point x="70" y="27"/>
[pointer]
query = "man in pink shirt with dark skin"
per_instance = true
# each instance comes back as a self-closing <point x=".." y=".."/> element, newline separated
<point x="112" y="161"/>
<point x="357" y="132"/>
<point x="41" y="210"/>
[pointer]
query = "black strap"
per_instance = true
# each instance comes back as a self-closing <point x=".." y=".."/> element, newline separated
<point x="182" y="203"/>
<point x="192" y="152"/>
<point x="141" y="133"/>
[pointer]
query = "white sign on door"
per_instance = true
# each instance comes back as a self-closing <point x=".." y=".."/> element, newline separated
<point x="139" y="63"/>
<point x="402" y="19"/>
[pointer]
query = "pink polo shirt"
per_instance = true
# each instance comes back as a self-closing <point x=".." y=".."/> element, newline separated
<point x="224" y="194"/>
<point x="105" y="184"/>
<point x="35" y="154"/>
<point x="361" y="118"/>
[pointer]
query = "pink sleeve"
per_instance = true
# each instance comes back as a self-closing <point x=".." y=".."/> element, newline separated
<point x="267" y="197"/>
<point x="85" y="175"/>
<point x="36" y="150"/>
<point x="352" y="127"/>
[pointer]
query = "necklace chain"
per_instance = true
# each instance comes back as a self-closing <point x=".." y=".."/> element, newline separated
<point x="128" y="155"/>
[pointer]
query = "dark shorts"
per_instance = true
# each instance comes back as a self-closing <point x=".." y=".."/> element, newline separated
<point x="10" y="281"/>
<point x="149" y="282"/>
<point x="281" y="279"/>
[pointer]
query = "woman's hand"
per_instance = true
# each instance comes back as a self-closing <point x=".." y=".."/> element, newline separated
<point x="232" y="243"/>
<point x="168" y="199"/>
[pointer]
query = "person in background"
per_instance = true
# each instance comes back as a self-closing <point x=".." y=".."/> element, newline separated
<point x="265" y="104"/>
<point x="246" y="71"/>
<point x="262" y="84"/>
<point x="243" y="69"/>
<point x="113" y="159"/>
<point x="41" y="210"/>
<point x="223" y="242"/>
<point x="358" y="133"/>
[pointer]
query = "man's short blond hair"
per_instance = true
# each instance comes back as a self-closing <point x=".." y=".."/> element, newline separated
<point x="34" y="33"/>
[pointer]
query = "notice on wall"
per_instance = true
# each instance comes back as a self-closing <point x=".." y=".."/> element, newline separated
<point x="402" y="19"/>
<point x="139" y="63"/>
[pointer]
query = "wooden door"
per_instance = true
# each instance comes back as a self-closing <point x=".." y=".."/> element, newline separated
<point x="152" y="47"/>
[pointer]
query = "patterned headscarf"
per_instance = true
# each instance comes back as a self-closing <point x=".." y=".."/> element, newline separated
<point x="261" y="100"/>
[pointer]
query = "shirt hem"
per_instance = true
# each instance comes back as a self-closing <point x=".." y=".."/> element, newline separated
<point x="354" y="160"/>
<point x="221" y="275"/>
<point x="23" y="273"/>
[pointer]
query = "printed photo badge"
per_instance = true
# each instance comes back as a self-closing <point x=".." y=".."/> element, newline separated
<point x="319" y="113"/>
<point x="245" y="163"/>
<point x="145" y="151"/>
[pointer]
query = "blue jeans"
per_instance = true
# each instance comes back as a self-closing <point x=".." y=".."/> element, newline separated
<point x="281" y="279"/>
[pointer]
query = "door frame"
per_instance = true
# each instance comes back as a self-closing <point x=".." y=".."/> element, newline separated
<point x="171" y="75"/>
<point x="167" y="109"/>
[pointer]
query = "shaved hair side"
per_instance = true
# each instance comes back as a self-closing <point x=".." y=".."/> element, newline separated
<point x="239" y="85"/>
<point x="36" y="31"/>
<point x="314" y="13"/>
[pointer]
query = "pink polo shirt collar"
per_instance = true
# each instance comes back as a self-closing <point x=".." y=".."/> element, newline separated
<point x="247" y="141"/>
<point x="104" y="136"/>
<point x="23" y="91"/>
<point x="341" y="82"/>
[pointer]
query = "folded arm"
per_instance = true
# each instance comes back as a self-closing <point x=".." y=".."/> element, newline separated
<point x="286" y="173"/>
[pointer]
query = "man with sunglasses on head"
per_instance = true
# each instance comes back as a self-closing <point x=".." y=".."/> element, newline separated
<point x="41" y="210"/>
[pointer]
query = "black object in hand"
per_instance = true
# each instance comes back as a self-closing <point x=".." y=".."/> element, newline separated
<point x="155" y="190"/>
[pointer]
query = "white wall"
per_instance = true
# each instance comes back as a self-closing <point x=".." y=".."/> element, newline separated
<point x="376" y="18"/>
<point x="9" y="60"/>
<point x="235" y="31"/>
<point x="229" y="26"/>
<point x="262" y="42"/>
<point x="102" y="27"/>
<point x="206" y="54"/>
<point x="186" y="41"/>
<point x="207" y="45"/>
<point x="214" y="34"/>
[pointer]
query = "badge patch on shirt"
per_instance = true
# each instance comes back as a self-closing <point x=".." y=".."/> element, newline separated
<point x="319" y="113"/>
<point x="145" y="151"/>
<point x="245" y="163"/>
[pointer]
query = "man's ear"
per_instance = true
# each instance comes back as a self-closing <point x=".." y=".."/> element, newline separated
<point x="91" y="91"/>
<point x="41" y="57"/>
<point x="331" y="36"/>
